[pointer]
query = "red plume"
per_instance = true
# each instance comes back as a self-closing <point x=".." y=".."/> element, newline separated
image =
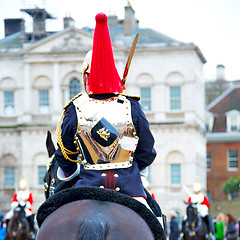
<point x="103" y="77"/>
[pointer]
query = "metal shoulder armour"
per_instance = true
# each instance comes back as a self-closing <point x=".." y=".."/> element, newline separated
<point x="106" y="135"/>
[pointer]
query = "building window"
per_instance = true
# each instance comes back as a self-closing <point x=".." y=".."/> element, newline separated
<point x="233" y="124"/>
<point x="74" y="87"/>
<point x="208" y="160"/>
<point x="146" y="99"/>
<point x="175" y="98"/>
<point x="43" y="101"/>
<point x="9" y="103"/>
<point x="41" y="174"/>
<point x="9" y="178"/>
<point x="175" y="173"/>
<point x="148" y="170"/>
<point x="233" y="120"/>
<point x="206" y="127"/>
<point x="232" y="159"/>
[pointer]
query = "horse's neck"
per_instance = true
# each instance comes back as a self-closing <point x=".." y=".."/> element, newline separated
<point x="14" y="223"/>
<point x="197" y="219"/>
<point x="194" y="219"/>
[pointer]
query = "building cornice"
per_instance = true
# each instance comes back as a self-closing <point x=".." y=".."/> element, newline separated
<point x="223" y="137"/>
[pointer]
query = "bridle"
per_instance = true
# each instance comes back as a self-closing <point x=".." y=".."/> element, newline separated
<point x="194" y="229"/>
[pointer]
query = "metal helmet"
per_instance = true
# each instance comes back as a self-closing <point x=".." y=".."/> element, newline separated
<point x="197" y="187"/>
<point x="23" y="184"/>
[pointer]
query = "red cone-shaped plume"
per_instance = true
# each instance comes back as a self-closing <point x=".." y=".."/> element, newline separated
<point x="103" y="77"/>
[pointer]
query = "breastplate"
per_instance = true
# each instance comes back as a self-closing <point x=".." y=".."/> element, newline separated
<point x="117" y="113"/>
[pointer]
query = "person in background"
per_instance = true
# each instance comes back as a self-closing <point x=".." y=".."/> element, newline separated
<point x="147" y="186"/>
<point x="23" y="197"/>
<point x="174" y="227"/>
<point x="231" y="230"/>
<point x="3" y="227"/>
<point x="203" y="206"/>
<point x="219" y="226"/>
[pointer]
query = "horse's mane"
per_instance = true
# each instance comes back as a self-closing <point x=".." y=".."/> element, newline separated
<point x="96" y="193"/>
<point x="92" y="229"/>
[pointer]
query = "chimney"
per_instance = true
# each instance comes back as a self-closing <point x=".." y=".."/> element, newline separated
<point x="112" y="21"/>
<point x="13" y="26"/>
<point x="39" y="17"/>
<point x="39" y="24"/>
<point x="129" y="21"/>
<point x="220" y="72"/>
<point x="68" y="22"/>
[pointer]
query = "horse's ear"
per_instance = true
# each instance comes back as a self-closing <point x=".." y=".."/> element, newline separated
<point x="50" y="145"/>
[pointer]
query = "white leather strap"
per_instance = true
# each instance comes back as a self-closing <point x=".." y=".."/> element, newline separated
<point x="60" y="174"/>
<point x="106" y="166"/>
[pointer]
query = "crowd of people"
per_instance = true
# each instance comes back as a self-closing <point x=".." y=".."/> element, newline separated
<point x="223" y="226"/>
<point x="226" y="227"/>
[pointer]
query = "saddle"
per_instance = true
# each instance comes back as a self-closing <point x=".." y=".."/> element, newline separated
<point x="95" y="193"/>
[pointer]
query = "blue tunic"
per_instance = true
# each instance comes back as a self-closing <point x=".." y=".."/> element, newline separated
<point x="127" y="180"/>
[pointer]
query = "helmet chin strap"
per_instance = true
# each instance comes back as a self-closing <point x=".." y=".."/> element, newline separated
<point x="85" y="82"/>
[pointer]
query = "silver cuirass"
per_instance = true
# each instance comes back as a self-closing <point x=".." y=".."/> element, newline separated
<point x="106" y="137"/>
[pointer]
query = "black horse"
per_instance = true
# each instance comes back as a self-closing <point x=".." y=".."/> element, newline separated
<point x="50" y="179"/>
<point x="18" y="226"/>
<point x="194" y="227"/>
<point x="51" y="182"/>
<point x="91" y="212"/>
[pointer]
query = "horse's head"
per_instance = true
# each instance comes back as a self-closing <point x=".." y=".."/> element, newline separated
<point x="20" y="215"/>
<point x="192" y="215"/>
<point x="50" y="179"/>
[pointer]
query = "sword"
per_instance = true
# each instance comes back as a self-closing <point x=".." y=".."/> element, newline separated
<point x="130" y="56"/>
<point x="187" y="190"/>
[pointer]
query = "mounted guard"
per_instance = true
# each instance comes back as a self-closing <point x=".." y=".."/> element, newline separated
<point x="23" y="197"/>
<point x="202" y="204"/>
<point x="104" y="140"/>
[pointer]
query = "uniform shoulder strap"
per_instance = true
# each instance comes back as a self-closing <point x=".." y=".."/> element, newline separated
<point x="78" y="95"/>
<point x="131" y="96"/>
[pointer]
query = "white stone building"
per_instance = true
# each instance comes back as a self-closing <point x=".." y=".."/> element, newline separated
<point x="40" y="71"/>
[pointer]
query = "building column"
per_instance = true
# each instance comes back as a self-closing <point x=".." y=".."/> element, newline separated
<point x="27" y="116"/>
<point x="57" y="100"/>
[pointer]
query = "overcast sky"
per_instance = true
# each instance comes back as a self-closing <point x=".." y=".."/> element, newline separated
<point x="213" y="25"/>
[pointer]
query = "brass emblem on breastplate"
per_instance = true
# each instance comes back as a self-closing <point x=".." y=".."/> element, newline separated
<point x="103" y="133"/>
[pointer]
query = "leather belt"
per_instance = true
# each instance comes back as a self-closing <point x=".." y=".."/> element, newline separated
<point x="106" y="166"/>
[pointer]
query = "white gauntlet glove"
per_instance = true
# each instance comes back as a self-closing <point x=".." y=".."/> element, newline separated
<point x="202" y="209"/>
<point x="28" y="205"/>
<point x="14" y="205"/>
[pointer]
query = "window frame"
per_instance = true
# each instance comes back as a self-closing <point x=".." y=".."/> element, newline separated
<point x="72" y="84"/>
<point x="231" y="159"/>
<point x="5" y="105"/>
<point x="233" y="126"/>
<point x="42" y="102"/>
<point x="233" y="116"/>
<point x="41" y="173"/>
<point x="175" y="99"/>
<point x="175" y="174"/>
<point x="146" y="101"/>
<point x="6" y="177"/>
<point x="208" y="160"/>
